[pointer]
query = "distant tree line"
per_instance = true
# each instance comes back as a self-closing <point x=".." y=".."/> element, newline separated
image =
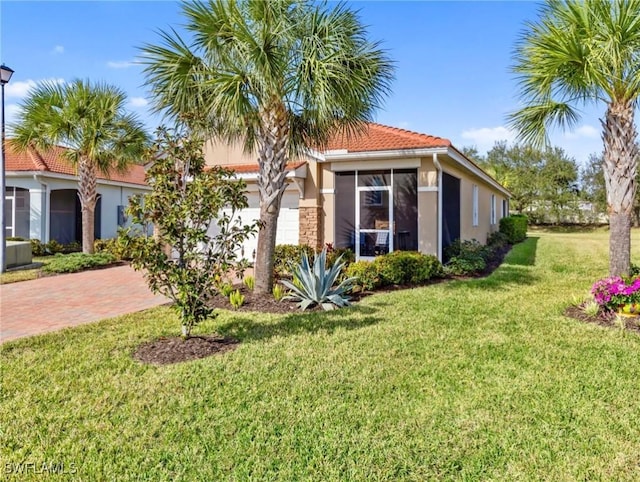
<point x="548" y="185"/>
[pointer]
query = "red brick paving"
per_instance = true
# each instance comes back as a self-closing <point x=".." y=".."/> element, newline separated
<point x="47" y="304"/>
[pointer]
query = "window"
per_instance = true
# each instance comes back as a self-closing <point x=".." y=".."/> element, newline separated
<point x="505" y="208"/>
<point x="475" y="205"/>
<point x="493" y="209"/>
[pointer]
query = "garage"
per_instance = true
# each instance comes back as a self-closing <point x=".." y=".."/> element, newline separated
<point x="288" y="222"/>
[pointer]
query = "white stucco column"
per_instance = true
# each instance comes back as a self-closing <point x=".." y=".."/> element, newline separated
<point x="36" y="205"/>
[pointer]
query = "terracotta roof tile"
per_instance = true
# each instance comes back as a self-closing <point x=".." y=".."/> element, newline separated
<point x="53" y="161"/>
<point x="248" y="168"/>
<point x="378" y="137"/>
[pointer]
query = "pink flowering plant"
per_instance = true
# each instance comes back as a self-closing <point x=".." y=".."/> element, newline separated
<point x="613" y="293"/>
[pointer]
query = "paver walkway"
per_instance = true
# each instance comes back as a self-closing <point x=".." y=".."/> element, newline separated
<point x="47" y="304"/>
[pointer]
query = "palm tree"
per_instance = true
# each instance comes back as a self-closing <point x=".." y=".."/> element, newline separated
<point x="279" y="76"/>
<point x="580" y="52"/>
<point x="91" y="122"/>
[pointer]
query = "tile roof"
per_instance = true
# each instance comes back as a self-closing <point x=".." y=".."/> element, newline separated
<point x="53" y="161"/>
<point x="378" y="137"/>
<point x="251" y="168"/>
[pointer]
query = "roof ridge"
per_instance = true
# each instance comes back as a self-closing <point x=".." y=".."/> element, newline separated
<point x="408" y="132"/>
<point x="37" y="159"/>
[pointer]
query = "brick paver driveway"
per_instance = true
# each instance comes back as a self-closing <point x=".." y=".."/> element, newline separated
<point x="48" y="304"/>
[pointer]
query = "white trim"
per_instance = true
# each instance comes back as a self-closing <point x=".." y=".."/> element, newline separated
<point x="424" y="152"/>
<point x="372" y="165"/>
<point x="464" y="162"/>
<point x="493" y="210"/>
<point x="437" y="165"/>
<point x="327" y="191"/>
<point x="300" y="171"/>
<point x="69" y="177"/>
<point x="427" y="188"/>
<point x="475" y="205"/>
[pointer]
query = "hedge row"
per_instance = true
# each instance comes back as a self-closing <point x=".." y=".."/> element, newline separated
<point x="514" y="227"/>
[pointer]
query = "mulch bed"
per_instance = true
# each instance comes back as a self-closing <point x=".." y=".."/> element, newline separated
<point x="605" y="319"/>
<point x="165" y="351"/>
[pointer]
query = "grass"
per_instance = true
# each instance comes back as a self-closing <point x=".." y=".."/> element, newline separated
<point x="58" y="264"/>
<point x="467" y="380"/>
<point x="15" y="276"/>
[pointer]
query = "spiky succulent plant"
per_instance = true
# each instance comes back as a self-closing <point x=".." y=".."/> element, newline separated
<point x="315" y="283"/>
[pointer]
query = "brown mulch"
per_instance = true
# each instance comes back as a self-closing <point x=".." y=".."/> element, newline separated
<point x="605" y="319"/>
<point x="165" y="351"/>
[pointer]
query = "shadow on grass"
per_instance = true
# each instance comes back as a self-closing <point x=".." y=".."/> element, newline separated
<point x="569" y="228"/>
<point x="504" y="277"/>
<point x="352" y="318"/>
<point x="515" y="270"/>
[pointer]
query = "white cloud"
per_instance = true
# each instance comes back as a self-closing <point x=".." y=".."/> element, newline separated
<point x="485" y="137"/>
<point x="138" y="101"/>
<point x="587" y="131"/>
<point x="58" y="49"/>
<point x="11" y="113"/>
<point x="20" y="88"/>
<point x="120" y="64"/>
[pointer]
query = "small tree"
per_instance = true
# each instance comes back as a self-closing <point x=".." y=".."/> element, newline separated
<point x="183" y="260"/>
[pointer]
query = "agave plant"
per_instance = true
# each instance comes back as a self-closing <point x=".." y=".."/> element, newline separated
<point x="315" y="284"/>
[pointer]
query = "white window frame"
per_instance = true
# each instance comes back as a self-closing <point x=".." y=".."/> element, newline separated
<point x="475" y="205"/>
<point x="493" y="209"/>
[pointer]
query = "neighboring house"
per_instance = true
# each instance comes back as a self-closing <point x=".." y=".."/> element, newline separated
<point x="41" y="199"/>
<point x="383" y="190"/>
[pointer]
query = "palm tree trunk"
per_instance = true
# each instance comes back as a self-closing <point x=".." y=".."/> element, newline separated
<point x="87" y="193"/>
<point x="620" y="166"/>
<point x="273" y="152"/>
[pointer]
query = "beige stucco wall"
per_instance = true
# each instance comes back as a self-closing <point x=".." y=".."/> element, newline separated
<point x="427" y="207"/>
<point x="467" y="181"/>
<point x="216" y="153"/>
<point x="320" y="183"/>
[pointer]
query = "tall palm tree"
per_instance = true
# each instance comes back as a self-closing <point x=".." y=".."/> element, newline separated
<point x="580" y="52"/>
<point x="277" y="75"/>
<point x="91" y="122"/>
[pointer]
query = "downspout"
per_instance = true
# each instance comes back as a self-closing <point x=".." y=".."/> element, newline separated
<point x="45" y="209"/>
<point x="436" y="163"/>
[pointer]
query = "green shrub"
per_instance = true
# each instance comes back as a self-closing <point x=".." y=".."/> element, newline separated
<point x="53" y="247"/>
<point x="365" y="274"/>
<point x="398" y="267"/>
<point x="121" y="247"/>
<point x="71" y="263"/>
<point x="286" y="255"/>
<point x="469" y="248"/>
<point x="467" y="257"/>
<point x="333" y="254"/>
<point x="465" y="265"/>
<point x="406" y="267"/>
<point x="514" y="227"/>
<point x="497" y="240"/>
<point x="37" y="248"/>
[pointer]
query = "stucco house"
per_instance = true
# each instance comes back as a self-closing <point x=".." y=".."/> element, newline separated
<point x="382" y="190"/>
<point x="41" y="198"/>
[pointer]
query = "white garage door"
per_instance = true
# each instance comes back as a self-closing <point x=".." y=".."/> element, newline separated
<point x="288" y="222"/>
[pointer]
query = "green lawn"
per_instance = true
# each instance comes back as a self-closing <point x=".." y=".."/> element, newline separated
<point x="15" y="276"/>
<point x="469" y="380"/>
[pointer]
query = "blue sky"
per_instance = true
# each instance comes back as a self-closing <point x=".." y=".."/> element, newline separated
<point x="452" y="77"/>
